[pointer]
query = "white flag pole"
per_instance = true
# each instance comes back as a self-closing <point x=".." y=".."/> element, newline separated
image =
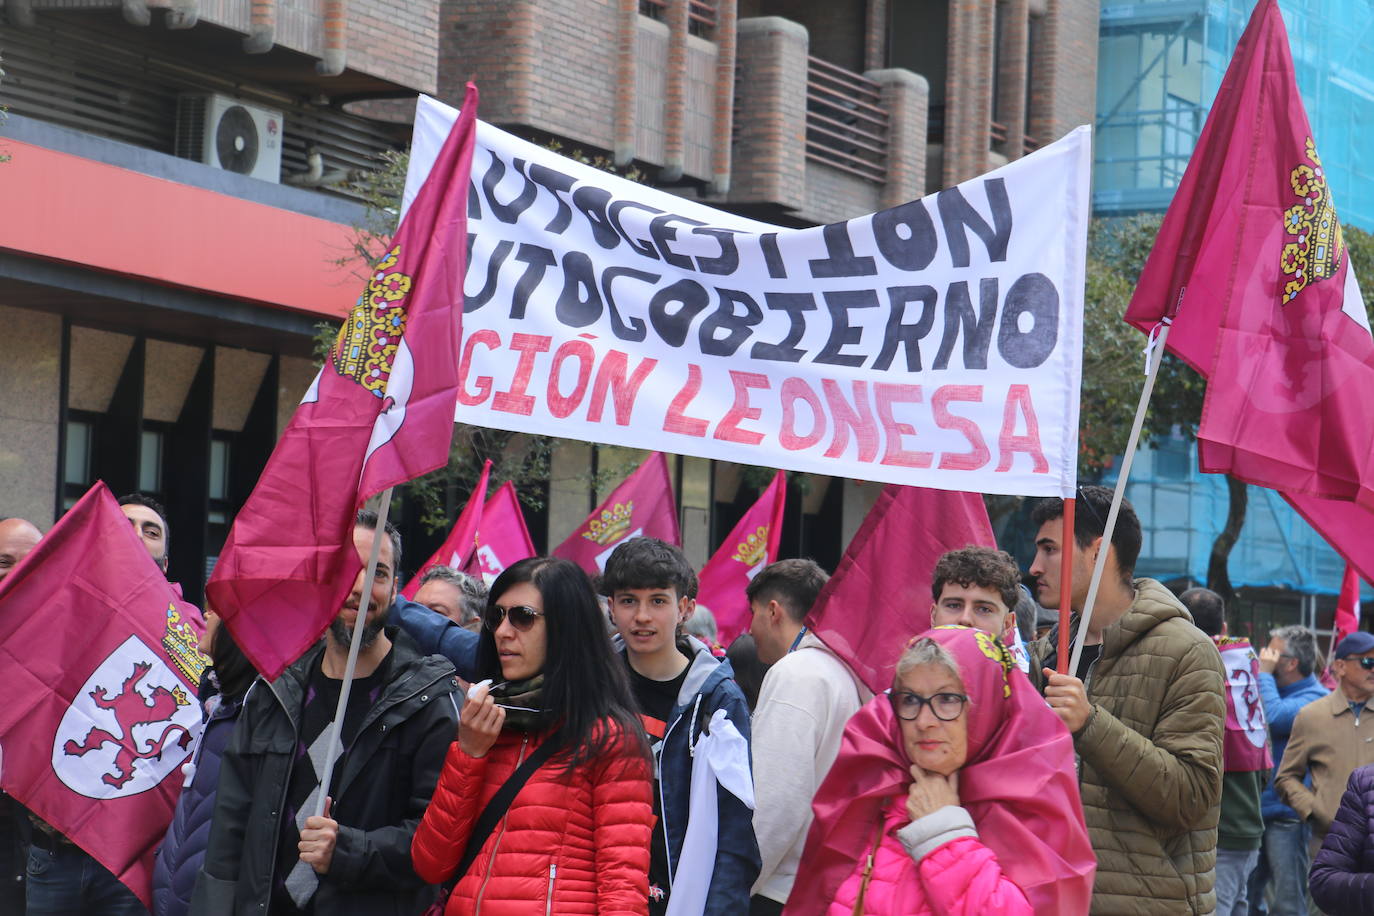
<point x="1156" y="356"/>
<point x="336" y="727"/>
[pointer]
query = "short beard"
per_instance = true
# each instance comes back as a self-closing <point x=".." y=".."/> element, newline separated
<point x="343" y="636"/>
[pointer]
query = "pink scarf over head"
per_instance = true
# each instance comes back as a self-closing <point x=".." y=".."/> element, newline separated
<point x="1018" y="784"/>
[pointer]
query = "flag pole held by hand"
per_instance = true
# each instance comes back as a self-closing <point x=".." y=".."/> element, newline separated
<point x="336" y="727"/>
<point x="1065" y="585"/>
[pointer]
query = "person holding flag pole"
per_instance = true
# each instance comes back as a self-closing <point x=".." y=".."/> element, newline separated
<point x="379" y="413"/>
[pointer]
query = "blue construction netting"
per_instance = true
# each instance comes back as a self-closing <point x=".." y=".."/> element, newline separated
<point x="1183" y="510"/>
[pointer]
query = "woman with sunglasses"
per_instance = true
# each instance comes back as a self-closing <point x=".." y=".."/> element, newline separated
<point x="953" y="793"/>
<point x="575" y="837"/>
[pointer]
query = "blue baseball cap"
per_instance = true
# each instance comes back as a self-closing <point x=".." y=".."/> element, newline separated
<point x="1357" y="643"/>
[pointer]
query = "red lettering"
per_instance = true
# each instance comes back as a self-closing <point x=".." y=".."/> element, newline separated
<point x="794" y="390"/>
<point x="728" y="429"/>
<point x="978" y="454"/>
<point x="492" y="341"/>
<point x="848" y="418"/>
<point x="611" y="375"/>
<point x="581" y="351"/>
<point x="515" y="400"/>
<point x="678" y="421"/>
<point x="1008" y="443"/>
<point x="885" y="396"/>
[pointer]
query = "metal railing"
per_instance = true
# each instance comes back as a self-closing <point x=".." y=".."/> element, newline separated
<point x="701" y="15"/>
<point x="846" y="125"/>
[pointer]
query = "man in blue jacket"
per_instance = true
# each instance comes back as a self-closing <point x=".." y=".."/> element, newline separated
<point x="685" y="696"/>
<point x="1287" y="682"/>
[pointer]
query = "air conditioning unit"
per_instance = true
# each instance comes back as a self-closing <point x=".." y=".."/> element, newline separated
<point x="229" y="134"/>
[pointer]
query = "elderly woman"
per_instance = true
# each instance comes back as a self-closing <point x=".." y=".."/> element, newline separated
<point x="954" y="793"/>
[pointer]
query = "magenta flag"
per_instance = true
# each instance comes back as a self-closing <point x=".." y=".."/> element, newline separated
<point x="1252" y="267"/>
<point x="458" y="547"/>
<point x="1246" y="747"/>
<point x="1347" y="605"/>
<point x="879" y="596"/>
<point x="100" y="667"/>
<point x="502" y="537"/>
<point x="379" y="413"/>
<point x="642" y="506"/>
<point x="750" y="546"/>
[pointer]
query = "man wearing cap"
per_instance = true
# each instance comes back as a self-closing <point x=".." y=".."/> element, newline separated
<point x="1331" y="737"/>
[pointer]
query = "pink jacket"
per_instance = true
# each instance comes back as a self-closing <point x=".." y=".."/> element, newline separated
<point x="958" y="878"/>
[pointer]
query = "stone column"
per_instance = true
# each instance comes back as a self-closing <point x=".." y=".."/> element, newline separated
<point x="906" y="98"/>
<point x="769" y="162"/>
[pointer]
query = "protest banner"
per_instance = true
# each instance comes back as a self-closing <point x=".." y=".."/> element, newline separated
<point x="936" y="343"/>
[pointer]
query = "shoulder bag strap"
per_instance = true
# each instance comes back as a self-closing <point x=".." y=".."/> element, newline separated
<point x="499" y="804"/>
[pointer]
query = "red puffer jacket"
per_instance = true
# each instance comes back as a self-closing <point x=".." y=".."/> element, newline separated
<point x="571" y="843"/>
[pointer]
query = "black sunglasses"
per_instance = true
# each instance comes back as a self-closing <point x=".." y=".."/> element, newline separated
<point x="945" y="706"/>
<point x="521" y="616"/>
<point x="1365" y="663"/>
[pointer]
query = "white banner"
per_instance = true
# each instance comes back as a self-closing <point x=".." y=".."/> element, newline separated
<point x="934" y="344"/>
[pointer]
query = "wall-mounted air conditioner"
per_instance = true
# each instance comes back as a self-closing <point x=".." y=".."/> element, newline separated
<point x="229" y="134"/>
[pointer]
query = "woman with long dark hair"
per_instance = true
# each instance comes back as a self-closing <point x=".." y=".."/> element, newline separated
<point x="574" y="839"/>
<point x="222" y="690"/>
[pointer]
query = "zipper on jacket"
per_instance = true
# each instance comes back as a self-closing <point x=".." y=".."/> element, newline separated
<point x="548" y="901"/>
<point x="491" y="859"/>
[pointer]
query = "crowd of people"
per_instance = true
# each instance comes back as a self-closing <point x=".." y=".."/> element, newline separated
<point x="560" y="744"/>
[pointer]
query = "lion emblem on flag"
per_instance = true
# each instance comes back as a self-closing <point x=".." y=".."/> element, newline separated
<point x="131" y="724"/>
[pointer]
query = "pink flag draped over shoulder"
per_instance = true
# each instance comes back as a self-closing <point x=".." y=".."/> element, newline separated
<point x="379" y="413"/>
<point x="751" y="545"/>
<point x="502" y="537"/>
<point x="101" y="672"/>
<point x="879" y="596"/>
<point x="1246" y="747"/>
<point x="457" y="549"/>
<point x="642" y="506"/>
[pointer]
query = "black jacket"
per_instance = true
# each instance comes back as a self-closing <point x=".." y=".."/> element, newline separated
<point x="385" y="782"/>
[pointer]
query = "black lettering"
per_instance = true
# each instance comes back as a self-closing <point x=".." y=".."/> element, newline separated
<point x="725" y="318"/>
<point x="613" y="215"/>
<point x="662" y="234"/>
<point x="842" y="333"/>
<point x="537" y="260"/>
<point x="498" y="257"/>
<point x="906" y="236"/>
<point x="786" y="350"/>
<point x="908" y="335"/>
<point x="579" y="304"/>
<point x="772" y="256"/>
<point x="840" y="260"/>
<point x="957" y="214"/>
<point x="506" y="213"/>
<point x="1034" y="295"/>
<point x="557" y="184"/>
<point x="728" y="262"/>
<point x="673" y="324"/>
<point x="592" y="201"/>
<point x="474" y="201"/>
<point x="634" y="329"/>
<point x="977" y="328"/>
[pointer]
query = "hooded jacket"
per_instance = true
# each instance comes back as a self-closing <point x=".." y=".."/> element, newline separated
<point x="1151" y="757"/>
<point x="383" y="784"/>
<point x="709" y="686"/>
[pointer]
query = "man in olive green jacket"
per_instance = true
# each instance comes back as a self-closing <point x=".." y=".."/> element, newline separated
<point x="1147" y="714"/>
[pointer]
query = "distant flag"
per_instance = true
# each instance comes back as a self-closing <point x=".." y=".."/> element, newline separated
<point x="458" y="547"/>
<point x="379" y="413"/>
<point x="642" y="505"/>
<point x="1252" y="269"/>
<point x="750" y="546"/>
<point x="502" y="537"/>
<point x="1347" y="605"/>
<point x="101" y="671"/>
<point x="880" y="596"/>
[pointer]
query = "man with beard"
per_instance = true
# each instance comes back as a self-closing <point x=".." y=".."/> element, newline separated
<point x="268" y="851"/>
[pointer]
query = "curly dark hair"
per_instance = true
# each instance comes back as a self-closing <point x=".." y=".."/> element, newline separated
<point x="646" y="562"/>
<point x="978" y="567"/>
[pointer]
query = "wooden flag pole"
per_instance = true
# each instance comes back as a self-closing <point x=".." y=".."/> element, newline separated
<point x="335" y="745"/>
<point x="1065" y="585"/>
<point x="1155" y="358"/>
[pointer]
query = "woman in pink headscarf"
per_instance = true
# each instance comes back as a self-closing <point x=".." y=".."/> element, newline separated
<point x="954" y="793"/>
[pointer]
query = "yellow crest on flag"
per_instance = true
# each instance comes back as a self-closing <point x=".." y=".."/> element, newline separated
<point x="611" y="525"/>
<point x="371" y="333"/>
<point x="1316" y="245"/>
<point x="752" y="550"/>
